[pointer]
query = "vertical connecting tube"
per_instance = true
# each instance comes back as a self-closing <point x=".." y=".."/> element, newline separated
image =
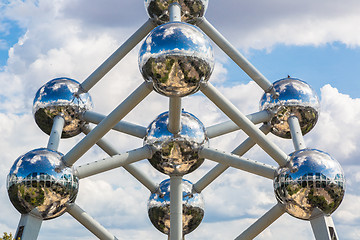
<point x="175" y="12"/>
<point x="296" y="133"/>
<point x="174" y="125"/>
<point x="29" y="227"/>
<point x="56" y="131"/>
<point x="176" y="208"/>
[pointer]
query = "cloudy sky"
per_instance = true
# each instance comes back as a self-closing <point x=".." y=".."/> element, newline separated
<point x="317" y="41"/>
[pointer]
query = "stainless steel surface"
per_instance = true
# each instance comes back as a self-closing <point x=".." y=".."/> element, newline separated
<point x="159" y="207"/>
<point x="40" y="184"/>
<point x="191" y="10"/>
<point x="311" y="184"/>
<point x="176" y="57"/>
<point x="295" y="97"/>
<point x="60" y="97"/>
<point x="176" y="153"/>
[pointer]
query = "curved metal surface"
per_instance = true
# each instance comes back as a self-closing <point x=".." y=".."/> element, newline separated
<point x="40" y="184"/>
<point x="60" y="97"/>
<point x="176" y="153"/>
<point x="191" y="10"/>
<point x="176" y="57"/>
<point x="312" y="183"/>
<point x="295" y="97"/>
<point x="159" y="207"/>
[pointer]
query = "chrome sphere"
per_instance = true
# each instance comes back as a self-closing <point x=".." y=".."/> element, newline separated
<point x="61" y="96"/>
<point x="159" y="208"/>
<point x="39" y="183"/>
<point x="176" y="58"/>
<point x="311" y="184"/>
<point x="191" y="10"/>
<point x="297" y="98"/>
<point x="176" y="153"/>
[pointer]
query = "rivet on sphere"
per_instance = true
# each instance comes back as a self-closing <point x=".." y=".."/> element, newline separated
<point x="311" y="184"/>
<point x="61" y="96"/>
<point x="159" y="208"/>
<point x="297" y="98"/>
<point x="176" y="58"/>
<point x="40" y="184"/>
<point x="191" y="10"/>
<point x="176" y="153"/>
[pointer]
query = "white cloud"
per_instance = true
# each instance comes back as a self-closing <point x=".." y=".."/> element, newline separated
<point x="263" y="24"/>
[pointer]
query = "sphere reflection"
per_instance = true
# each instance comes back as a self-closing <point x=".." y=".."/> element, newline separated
<point x="60" y="97"/>
<point x="191" y="10"/>
<point x="39" y="183"/>
<point x="295" y="98"/>
<point x="312" y="183"/>
<point x="176" y="58"/>
<point x="159" y="208"/>
<point x="176" y="153"/>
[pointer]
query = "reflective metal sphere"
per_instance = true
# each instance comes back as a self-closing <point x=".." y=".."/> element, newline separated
<point x="159" y="208"/>
<point x="191" y="10"/>
<point x="295" y="98"/>
<point x="60" y="97"/>
<point x="312" y="183"/>
<point x="176" y="58"/>
<point x="176" y="153"/>
<point x="39" y="183"/>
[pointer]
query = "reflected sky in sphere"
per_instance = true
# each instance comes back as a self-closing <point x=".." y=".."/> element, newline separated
<point x="61" y="96"/>
<point x="40" y="184"/>
<point x="191" y="10"/>
<point x="176" y="58"/>
<point x="176" y="153"/>
<point x="159" y="207"/>
<point x="296" y="97"/>
<point x="312" y="183"/>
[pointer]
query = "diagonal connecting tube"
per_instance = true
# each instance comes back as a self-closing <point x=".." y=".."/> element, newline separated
<point x="244" y="123"/>
<point x="108" y="123"/>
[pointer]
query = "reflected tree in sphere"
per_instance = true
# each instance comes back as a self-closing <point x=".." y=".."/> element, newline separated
<point x="40" y="184"/>
<point x="191" y="10"/>
<point x="159" y="207"/>
<point x="311" y="184"/>
<point x="61" y="96"/>
<point x="176" y="153"/>
<point x="295" y="97"/>
<point x="176" y="57"/>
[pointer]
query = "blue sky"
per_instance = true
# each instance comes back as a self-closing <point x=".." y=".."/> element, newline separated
<point x="318" y="42"/>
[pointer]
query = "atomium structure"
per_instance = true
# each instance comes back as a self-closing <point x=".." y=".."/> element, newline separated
<point x="176" y="60"/>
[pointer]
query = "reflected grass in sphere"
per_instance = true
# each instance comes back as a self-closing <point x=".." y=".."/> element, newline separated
<point x="159" y="207"/>
<point x="296" y="97"/>
<point x="191" y="10"/>
<point x="61" y="96"/>
<point x="176" y="153"/>
<point x="40" y="184"/>
<point x="312" y="183"/>
<point x="176" y="58"/>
